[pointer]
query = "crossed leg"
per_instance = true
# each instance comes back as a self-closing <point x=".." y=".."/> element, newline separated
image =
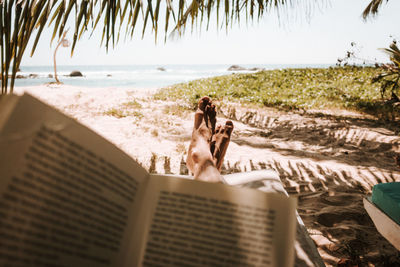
<point x="208" y="144"/>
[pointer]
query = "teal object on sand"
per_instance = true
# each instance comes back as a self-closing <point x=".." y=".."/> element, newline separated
<point x="387" y="197"/>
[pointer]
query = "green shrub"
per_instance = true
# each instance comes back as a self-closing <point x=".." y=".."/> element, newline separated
<point x="335" y="87"/>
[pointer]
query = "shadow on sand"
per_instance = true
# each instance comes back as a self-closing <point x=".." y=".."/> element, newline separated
<point x="330" y="163"/>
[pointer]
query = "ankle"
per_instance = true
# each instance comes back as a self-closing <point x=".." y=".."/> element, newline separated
<point x="206" y="171"/>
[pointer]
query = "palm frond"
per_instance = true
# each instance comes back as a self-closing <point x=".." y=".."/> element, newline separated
<point x="394" y="53"/>
<point x="372" y="8"/>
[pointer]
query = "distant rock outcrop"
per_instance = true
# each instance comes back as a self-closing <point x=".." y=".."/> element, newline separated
<point x="31" y="76"/>
<point x="236" y="68"/>
<point x="240" y="68"/>
<point x="256" y="69"/>
<point x="161" y="69"/>
<point x="76" y="73"/>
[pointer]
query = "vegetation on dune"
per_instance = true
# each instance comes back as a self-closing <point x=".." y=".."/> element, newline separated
<point x="336" y="87"/>
<point x="125" y="110"/>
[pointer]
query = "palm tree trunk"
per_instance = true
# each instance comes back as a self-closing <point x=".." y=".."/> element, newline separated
<point x="62" y="40"/>
<point x="55" y="65"/>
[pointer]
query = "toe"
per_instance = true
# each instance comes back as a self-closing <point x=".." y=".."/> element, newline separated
<point x="229" y="127"/>
<point x="204" y="102"/>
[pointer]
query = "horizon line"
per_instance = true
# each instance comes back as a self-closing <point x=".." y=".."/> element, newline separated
<point x="165" y="64"/>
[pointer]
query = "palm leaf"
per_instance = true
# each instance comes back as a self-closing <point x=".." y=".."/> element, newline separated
<point x="394" y="53"/>
<point x="372" y="8"/>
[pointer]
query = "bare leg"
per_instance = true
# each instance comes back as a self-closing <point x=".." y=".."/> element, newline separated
<point x="201" y="161"/>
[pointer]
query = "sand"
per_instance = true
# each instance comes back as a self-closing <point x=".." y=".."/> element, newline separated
<point x="329" y="159"/>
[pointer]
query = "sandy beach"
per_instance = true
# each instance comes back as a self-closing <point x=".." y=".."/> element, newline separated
<point x="329" y="159"/>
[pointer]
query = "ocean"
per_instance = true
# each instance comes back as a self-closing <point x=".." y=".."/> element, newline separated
<point x="134" y="76"/>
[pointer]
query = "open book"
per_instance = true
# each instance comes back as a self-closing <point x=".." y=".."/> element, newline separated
<point x="68" y="197"/>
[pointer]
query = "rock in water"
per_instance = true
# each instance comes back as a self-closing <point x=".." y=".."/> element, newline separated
<point x="76" y="73"/>
<point x="236" y="68"/>
<point x="161" y="69"/>
<point x="257" y="69"/>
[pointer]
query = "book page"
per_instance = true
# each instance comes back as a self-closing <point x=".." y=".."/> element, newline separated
<point x="67" y="196"/>
<point x="7" y="103"/>
<point x="203" y="224"/>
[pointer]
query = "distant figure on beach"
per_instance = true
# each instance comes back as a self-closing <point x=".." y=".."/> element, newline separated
<point x="208" y="144"/>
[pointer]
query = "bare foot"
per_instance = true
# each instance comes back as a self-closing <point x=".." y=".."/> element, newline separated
<point x="200" y="161"/>
<point x="219" y="143"/>
<point x="205" y="113"/>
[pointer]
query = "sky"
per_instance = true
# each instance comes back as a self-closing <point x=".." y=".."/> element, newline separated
<point x="321" y="37"/>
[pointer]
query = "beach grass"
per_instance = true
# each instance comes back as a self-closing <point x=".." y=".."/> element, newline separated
<point x="310" y="88"/>
<point x="122" y="113"/>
